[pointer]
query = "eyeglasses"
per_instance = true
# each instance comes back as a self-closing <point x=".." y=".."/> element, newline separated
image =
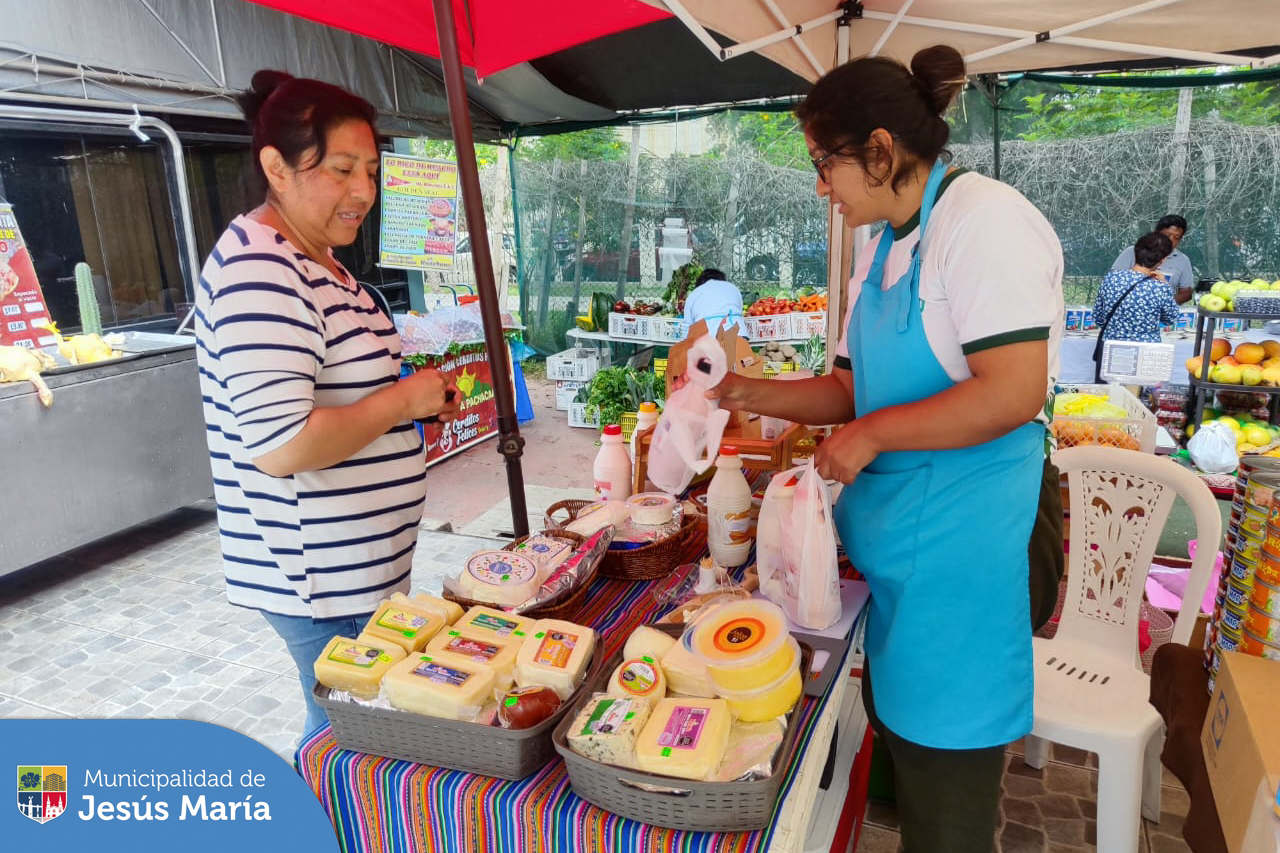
<point x="817" y="165"/>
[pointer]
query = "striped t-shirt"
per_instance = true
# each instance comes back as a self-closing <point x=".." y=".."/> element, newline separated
<point x="277" y="336"/>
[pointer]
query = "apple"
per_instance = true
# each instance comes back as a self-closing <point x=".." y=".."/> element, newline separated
<point x="1226" y="374"/>
<point x="1213" y="302"/>
<point x="1250" y="374"/>
<point x="1216" y="288"/>
<point x="1260" y="284"/>
<point x="1221" y="349"/>
<point x="1275" y="285"/>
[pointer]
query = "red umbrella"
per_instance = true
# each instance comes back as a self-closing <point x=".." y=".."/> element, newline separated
<point x="488" y="36"/>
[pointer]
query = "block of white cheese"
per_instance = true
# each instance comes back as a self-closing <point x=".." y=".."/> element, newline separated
<point x="547" y="551"/>
<point x="454" y="689"/>
<point x="500" y="577"/>
<point x="356" y="667"/>
<point x="450" y="610"/>
<point x="484" y="621"/>
<point x="684" y="737"/>
<point x="555" y="655"/>
<point x="593" y="517"/>
<point x="686" y="673"/>
<point x="638" y="677"/>
<point x="496" y="652"/>
<point x="606" y="729"/>
<point x="403" y="624"/>
<point x="647" y="641"/>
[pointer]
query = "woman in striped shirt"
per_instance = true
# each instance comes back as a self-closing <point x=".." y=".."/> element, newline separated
<point x="318" y="470"/>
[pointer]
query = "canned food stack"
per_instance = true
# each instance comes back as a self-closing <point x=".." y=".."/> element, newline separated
<point x="1246" y="613"/>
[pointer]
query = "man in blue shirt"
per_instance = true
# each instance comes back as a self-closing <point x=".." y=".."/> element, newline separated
<point x="1176" y="268"/>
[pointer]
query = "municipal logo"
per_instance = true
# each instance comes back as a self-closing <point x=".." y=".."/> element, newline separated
<point x="42" y="791"/>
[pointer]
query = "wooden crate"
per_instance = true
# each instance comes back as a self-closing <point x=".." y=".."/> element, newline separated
<point x="757" y="454"/>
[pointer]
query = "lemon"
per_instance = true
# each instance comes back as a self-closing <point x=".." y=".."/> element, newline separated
<point x="1229" y="421"/>
<point x="1257" y="436"/>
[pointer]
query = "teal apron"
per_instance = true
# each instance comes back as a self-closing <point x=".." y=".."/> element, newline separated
<point x="941" y="536"/>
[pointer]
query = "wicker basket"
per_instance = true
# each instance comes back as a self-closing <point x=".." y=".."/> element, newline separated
<point x="645" y="563"/>
<point x="565" y="608"/>
<point x="470" y="747"/>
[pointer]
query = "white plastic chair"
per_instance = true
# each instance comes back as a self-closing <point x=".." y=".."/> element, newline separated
<point x="1090" y="690"/>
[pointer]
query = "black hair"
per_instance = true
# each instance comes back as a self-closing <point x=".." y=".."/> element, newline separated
<point x="1171" y="220"/>
<point x="849" y="102"/>
<point x="709" y="275"/>
<point x="295" y="114"/>
<point x="1151" y="249"/>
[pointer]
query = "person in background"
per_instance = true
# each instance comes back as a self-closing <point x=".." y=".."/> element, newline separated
<point x="1132" y="304"/>
<point x="941" y="385"/>
<point x="1176" y="269"/>
<point x="715" y="300"/>
<point x="318" y="471"/>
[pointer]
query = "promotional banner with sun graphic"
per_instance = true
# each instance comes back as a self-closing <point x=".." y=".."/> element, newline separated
<point x="469" y="368"/>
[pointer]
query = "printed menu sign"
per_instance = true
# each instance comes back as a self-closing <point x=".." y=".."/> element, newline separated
<point x="419" y="213"/>
<point x="23" y="311"/>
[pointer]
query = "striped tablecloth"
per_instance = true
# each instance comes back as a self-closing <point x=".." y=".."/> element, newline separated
<point x="382" y="805"/>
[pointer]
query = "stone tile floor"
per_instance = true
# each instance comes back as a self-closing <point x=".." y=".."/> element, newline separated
<point x="137" y="625"/>
<point x="1053" y="810"/>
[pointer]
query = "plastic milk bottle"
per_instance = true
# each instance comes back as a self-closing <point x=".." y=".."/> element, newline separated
<point x="729" y="511"/>
<point x="613" y="466"/>
<point x="646" y="416"/>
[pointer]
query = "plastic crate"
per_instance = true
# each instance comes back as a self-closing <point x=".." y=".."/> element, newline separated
<point x="806" y="324"/>
<point x="583" y="415"/>
<point x="667" y="329"/>
<point x="466" y="746"/>
<point x="566" y="391"/>
<point x="771" y="327"/>
<point x="629" y="326"/>
<point x="1136" y="432"/>
<point x="578" y="364"/>
<point x="660" y="367"/>
<point x="773" y="368"/>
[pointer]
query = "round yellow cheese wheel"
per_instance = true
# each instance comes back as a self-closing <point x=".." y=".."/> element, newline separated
<point x="774" y="701"/>
<point x="639" y="677"/>
<point x="744" y="644"/>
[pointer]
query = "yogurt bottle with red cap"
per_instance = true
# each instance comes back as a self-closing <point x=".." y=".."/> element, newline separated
<point x="612" y="471"/>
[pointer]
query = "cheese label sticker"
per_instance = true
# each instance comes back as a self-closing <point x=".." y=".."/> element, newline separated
<point x="739" y="635"/>
<point x="496" y="624"/>
<point x="555" y="649"/>
<point x="401" y="620"/>
<point x="356" y="655"/>
<point x="500" y="568"/>
<point x="608" y="717"/>
<point x="441" y="674"/>
<point x="684" y="728"/>
<point x="475" y="649"/>
<point x="637" y="677"/>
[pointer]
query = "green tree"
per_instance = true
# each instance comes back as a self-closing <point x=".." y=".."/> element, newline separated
<point x="444" y="149"/>
<point x="775" y="136"/>
<point x="597" y="143"/>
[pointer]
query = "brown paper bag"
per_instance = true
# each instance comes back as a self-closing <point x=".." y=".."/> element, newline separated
<point x="739" y="357"/>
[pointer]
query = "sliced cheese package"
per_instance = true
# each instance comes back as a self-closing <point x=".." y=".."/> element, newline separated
<point x="555" y="655"/>
<point x="684" y="737"/>
<point x="686" y="673"/>
<point x="356" y="667"/>
<point x="481" y="621"/>
<point x="501" y="577"/>
<point x="606" y="729"/>
<point x="496" y="652"/>
<point x="454" y="690"/>
<point x="638" y="677"/>
<point x="647" y="641"/>
<point x="404" y="624"/>
<point x="547" y="551"/>
<point x="448" y="609"/>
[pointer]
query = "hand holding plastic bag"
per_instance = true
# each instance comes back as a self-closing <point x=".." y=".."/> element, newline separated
<point x="796" y="548"/>
<point x="1213" y="449"/>
<point x="691" y="424"/>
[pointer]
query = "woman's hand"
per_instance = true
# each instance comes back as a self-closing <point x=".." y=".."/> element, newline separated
<point x="427" y="392"/>
<point x="731" y="393"/>
<point x="843" y="456"/>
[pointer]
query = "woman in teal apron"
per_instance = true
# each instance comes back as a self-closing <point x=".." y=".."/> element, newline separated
<point x="942" y="461"/>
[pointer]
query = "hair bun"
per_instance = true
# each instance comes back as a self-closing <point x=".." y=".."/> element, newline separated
<point x="264" y="83"/>
<point x="940" y="73"/>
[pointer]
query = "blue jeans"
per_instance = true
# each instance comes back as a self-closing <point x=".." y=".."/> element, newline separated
<point x="306" y="639"/>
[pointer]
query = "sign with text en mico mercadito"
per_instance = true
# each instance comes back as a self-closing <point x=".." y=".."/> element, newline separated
<point x="23" y="311"/>
<point x="419" y="213"/>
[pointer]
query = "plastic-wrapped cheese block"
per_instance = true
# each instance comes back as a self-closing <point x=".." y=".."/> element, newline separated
<point x="448" y="609"/>
<point x="606" y="729"/>
<point x="483" y="621"/>
<point x="638" y="677"/>
<point x="350" y="665"/>
<point x="496" y="652"/>
<point x="647" y="641"/>
<point x="403" y="624"/>
<point x="555" y="655"/>
<point x="595" y="516"/>
<point x="455" y="690"/>
<point x="500" y="577"/>
<point x="686" y="674"/>
<point x="547" y="551"/>
<point x="684" y="737"/>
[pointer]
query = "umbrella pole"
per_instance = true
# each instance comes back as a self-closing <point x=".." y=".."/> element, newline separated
<point x="510" y="442"/>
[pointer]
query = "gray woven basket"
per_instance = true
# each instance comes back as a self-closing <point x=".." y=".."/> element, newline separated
<point x="676" y="803"/>
<point x="471" y="747"/>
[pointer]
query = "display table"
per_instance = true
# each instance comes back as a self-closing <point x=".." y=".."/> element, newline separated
<point x="384" y="805"/>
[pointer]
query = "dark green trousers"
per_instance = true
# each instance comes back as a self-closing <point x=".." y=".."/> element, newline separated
<point x="1045" y="549"/>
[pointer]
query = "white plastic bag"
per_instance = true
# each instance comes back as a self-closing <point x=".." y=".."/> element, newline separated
<point x="1213" y="449"/>
<point x="687" y="438"/>
<point x="796" y="548"/>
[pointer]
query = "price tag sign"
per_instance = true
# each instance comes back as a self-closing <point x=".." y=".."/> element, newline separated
<point x="1133" y="363"/>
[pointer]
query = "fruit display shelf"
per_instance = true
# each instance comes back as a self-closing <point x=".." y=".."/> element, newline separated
<point x="1206" y="325"/>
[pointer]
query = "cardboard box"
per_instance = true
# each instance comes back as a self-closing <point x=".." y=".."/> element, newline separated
<point x="738" y="356"/>
<point x="1241" y="743"/>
